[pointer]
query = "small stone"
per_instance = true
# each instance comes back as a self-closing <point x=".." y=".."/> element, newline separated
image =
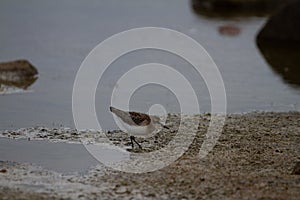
<point x="121" y="190"/>
<point x="3" y="171"/>
<point x="296" y="170"/>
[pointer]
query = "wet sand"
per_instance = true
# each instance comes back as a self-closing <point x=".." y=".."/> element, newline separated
<point x="253" y="159"/>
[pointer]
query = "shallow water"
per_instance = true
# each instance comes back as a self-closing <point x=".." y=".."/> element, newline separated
<point x="60" y="157"/>
<point x="55" y="36"/>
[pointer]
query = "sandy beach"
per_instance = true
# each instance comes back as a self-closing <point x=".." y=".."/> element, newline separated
<point x="253" y="159"/>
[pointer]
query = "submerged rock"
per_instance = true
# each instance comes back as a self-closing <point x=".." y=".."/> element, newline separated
<point x="229" y="30"/>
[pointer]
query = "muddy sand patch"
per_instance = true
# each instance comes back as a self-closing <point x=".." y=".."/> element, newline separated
<point x="253" y="159"/>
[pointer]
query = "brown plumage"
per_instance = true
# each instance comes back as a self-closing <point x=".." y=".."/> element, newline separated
<point x="132" y="118"/>
<point x="136" y="123"/>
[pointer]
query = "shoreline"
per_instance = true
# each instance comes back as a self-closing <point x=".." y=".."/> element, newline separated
<point x="254" y="158"/>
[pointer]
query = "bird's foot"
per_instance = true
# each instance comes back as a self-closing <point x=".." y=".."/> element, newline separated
<point x="132" y="139"/>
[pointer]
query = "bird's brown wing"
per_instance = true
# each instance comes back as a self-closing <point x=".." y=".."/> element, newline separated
<point x="132" y="118"/>
<point x="140" y="119"/>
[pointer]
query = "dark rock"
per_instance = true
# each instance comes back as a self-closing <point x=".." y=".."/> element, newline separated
<point x="235" y="8"/>
<point x="20" y="68"/>
<point x="16" y="74"/>
<point x="283" y="25"/>
<point x="283" y="58"/>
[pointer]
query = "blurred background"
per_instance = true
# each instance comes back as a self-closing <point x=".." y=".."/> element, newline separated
<point x="56" y="36"/>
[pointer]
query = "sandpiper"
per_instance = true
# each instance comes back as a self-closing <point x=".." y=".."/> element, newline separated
<point x="137" y="124"/>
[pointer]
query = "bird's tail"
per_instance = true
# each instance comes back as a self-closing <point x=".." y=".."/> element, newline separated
<point x="119" y="113"/>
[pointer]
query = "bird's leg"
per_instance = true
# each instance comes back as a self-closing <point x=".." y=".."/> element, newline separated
<point x="133" y="139"/>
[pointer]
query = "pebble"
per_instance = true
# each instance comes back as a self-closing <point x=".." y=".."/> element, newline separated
<point x="121" y="190"/>
<point x="296" y="169"/>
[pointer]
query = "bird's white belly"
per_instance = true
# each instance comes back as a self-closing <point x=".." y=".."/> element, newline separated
<point x="138" y="131"/>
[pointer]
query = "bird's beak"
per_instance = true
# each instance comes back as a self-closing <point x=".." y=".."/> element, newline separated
<point x="164" y="126"/>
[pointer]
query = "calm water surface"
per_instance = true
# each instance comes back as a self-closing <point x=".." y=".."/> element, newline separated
<point x="60" y="157"/>
<point x="55" y="36"/>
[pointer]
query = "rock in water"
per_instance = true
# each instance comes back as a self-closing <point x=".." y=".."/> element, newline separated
<point x="16" y="70"/>
<point x="283" y="25"/>
<point x="279" y="42"/>
<point x="284" y="59"/>
<point x="16" y="76"/>
<point x="235" y="8"/>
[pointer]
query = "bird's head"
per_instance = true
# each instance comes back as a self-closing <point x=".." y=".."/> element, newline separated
<point x="156" y="120"/>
